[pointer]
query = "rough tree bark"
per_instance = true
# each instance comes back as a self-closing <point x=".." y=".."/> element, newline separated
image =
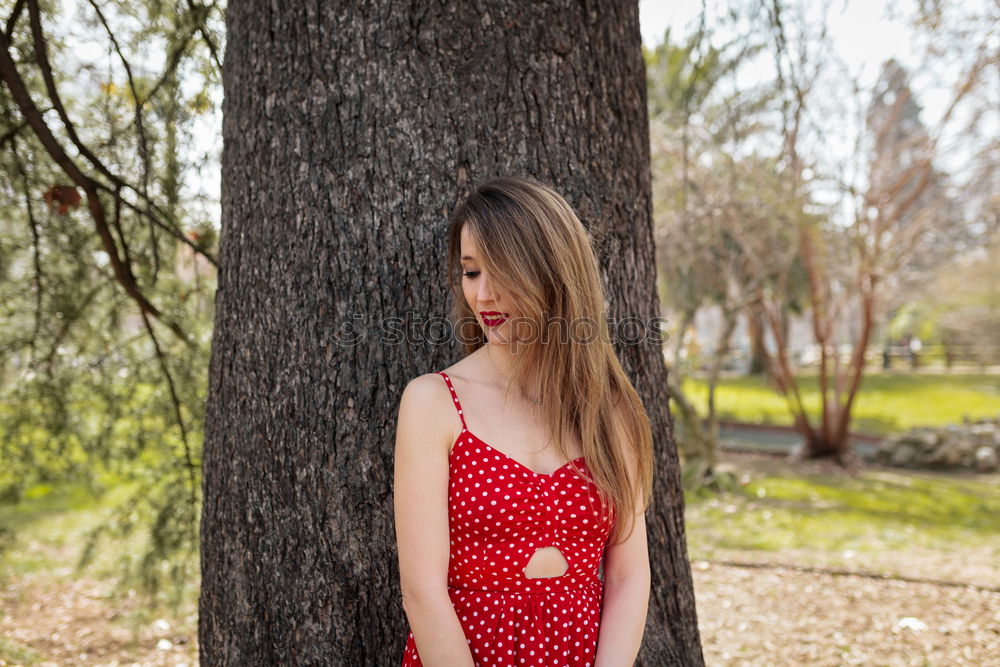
<point x="348" y="137"/>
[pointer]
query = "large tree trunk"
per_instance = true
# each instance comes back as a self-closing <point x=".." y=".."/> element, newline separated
<point x="349" y="136"/>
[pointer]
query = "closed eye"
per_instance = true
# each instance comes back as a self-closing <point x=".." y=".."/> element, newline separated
<point x="470" y="274"/>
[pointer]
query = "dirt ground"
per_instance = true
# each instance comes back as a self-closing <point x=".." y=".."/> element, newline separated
<point x="776" y="616"/>
<point x="81" y="622"/>
<point x="753" y="609"/>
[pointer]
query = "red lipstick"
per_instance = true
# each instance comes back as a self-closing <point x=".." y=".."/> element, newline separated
<point x="492" y="318"/>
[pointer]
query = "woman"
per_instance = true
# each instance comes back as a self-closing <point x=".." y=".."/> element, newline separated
<point x="525" y="466"/>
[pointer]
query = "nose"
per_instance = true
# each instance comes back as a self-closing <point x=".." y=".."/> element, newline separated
<point x="484" y="291"/>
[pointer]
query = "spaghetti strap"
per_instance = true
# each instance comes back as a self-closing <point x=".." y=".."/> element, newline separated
<point x="458" y="406"/>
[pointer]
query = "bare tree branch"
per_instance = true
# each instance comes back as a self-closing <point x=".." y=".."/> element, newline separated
<point x="201" y="13"/>
<point x="8" y="30"/>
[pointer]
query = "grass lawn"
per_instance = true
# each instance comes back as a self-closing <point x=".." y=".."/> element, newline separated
<point x="886" y="403"/>
<point x="880" y="510"/>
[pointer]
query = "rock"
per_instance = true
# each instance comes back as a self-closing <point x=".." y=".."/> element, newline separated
<point x="986" y="435"/>
<point x="948" y="454"/>
<point x="964" y="444"/>
<point x="904" y="454"/>
<point x="911" y="623"/>
<point x="987" y="459"/>
<point x="971" y="444"/>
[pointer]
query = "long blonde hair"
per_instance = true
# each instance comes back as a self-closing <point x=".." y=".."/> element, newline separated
<point x="535" y="247"/>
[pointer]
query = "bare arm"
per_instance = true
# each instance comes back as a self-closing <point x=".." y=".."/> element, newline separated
<point x="626" y="596"/>
<point x="420" y="499"/>
<point x="626" y="600"/>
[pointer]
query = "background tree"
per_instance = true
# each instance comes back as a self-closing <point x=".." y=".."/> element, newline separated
<point x="964" y="235"/>
<point x="900" y="206"/>
<point x="680" y="78"/>
<point x="348" y="138"/>
<point x="846" y="264"/>
<point x="948" y="31"/>
<point x="722" y="224"/>
<point x="925" y="232"/>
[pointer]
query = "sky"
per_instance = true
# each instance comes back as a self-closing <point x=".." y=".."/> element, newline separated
<point x="862" y="33"/>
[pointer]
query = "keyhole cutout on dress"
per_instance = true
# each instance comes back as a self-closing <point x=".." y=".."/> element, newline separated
<point x="546" y="562"/>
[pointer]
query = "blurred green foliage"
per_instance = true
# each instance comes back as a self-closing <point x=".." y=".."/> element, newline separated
<point x="99" y="403"/>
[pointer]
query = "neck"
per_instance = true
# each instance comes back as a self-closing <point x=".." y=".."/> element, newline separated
<point x="502" y="361"/>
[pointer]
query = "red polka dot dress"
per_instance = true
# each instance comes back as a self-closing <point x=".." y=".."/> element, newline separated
<point x="500" y="513"/>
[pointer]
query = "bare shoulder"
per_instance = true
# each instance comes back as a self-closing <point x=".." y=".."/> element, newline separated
<point x="423" y="420"/>
<point x="426" y="395"/>
<point x="426" y="388"/>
